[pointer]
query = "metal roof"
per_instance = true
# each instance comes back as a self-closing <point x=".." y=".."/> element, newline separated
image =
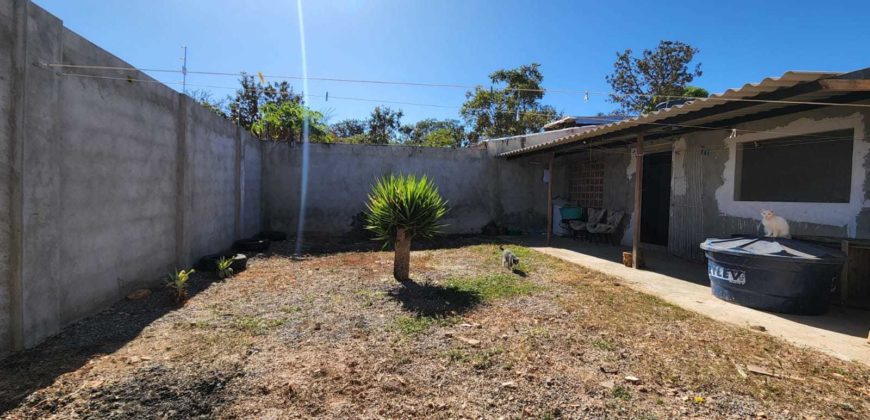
<point x="580" y="121"/>
<point x="748" y="91"/>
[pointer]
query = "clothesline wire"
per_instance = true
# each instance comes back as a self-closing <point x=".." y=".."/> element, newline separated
<point x="451" y="85"/>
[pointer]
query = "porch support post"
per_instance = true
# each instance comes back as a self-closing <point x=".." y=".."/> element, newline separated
<point x="638" y="194"/>
<point x="550" y="199"/>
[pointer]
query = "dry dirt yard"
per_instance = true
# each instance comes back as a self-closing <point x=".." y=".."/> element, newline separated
<point x="334" y="336"/>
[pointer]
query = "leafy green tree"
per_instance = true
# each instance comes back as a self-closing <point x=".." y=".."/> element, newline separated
<point x="384" y="124"/>
<point x="400" y="209"/>
<point x="695" y="92"/>
<point x="441" y="137"/>
<point x="434" y="133"/>
<point x="348" y="128"/>
<point x="639" y="83"/>
<point x="284" y="121"/>
<point x="244" y="107"/>
<point x="510" y="109"/>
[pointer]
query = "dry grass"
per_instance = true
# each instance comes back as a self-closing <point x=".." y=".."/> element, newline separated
<point x="334" y="336"/>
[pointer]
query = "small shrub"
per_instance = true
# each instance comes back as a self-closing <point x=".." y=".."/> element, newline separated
<point x="620" y="392"/>
<point x="177" y="283"/>
<point x="224" y="269"/>
<point x="603" y="344"/>
<point x="456" y="355"/>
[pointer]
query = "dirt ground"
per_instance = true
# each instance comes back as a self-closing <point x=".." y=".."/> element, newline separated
<point x="334" y="336"/>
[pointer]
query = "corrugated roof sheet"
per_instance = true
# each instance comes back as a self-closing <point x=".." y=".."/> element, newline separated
<point x="749" y="90"/>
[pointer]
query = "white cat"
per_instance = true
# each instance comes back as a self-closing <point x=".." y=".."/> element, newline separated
<point x="774" y="226"/>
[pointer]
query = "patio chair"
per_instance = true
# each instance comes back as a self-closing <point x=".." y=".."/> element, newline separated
<point x="580" y="227"/>
<point x="604" y="231"/>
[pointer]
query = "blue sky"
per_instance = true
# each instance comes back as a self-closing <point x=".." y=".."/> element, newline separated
<point x="462" y="41"/>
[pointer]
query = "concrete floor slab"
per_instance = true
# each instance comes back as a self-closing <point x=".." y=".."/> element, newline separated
<point x="842" y="332"/>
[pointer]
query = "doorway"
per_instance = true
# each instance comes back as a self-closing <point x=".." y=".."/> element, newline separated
<point x="656" y="198"/>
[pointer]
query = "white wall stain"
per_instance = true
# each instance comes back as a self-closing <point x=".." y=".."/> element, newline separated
<point x="628" y="235"/>
<point x="832" y="214"/>
<point x="679" y="183"/>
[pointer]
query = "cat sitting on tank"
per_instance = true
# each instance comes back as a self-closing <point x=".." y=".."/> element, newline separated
<point x="774" y="226"/>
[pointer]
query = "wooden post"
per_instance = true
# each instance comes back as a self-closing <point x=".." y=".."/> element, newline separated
<point x="638" y="194"/>
<point x="550" y="200"/>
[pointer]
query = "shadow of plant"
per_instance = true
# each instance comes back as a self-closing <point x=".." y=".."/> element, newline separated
<point x="433" y="300"/>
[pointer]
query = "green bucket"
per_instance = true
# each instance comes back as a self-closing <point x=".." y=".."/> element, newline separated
<point x="571" y="213"/>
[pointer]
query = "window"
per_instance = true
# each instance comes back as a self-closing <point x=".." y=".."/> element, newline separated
<point x="814" y="168"/>
<point x="586" y="184"/>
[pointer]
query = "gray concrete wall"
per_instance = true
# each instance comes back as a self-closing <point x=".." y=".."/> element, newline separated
<point x="11" y="47"/>
<point x="479" y="187"/>
<point x="210" y="200"/>
<point x="106" y="184"/>
<point x="252" y="213"/>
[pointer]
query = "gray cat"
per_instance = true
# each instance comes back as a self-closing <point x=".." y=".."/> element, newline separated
<point x="508" y="259"/>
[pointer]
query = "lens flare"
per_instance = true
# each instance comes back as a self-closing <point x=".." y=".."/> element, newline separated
<point x="303" y="190"/>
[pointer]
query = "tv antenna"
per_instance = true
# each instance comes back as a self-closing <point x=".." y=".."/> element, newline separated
<point x="184" y="70"/>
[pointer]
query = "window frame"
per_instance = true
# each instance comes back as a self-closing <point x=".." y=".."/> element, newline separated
<point x="848" y="135"/>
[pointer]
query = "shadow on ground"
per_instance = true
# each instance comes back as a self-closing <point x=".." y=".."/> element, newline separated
<point x="433" y="300"/>
<point x="317" y="245"/>
<point x="27" y="371"/>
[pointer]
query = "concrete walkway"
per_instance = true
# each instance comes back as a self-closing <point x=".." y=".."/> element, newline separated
<point x="841" y="333"/>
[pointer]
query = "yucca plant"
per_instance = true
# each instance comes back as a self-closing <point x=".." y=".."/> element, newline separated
<point x="177" y="283"/>
<point x="224" y="269"/>
<point x="402" y="208"/>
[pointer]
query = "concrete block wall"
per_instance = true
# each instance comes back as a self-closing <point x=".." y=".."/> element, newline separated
<point x="251" y="210"/>
<point x="105" y="185"/>
<point x="478" y="187"/>
<point x="12" y="47"/>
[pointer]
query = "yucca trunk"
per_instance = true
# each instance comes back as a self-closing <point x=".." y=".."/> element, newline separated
<point x="402" y="261"/>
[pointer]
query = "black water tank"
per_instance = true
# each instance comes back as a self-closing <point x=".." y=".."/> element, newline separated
<point x="773" y="274"/>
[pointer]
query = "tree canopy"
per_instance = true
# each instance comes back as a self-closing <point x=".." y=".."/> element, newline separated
<point x="431" y="132"/>
<point x="512" y="106"/>
<point x="274" y="111"/>
<point x="244" y="108"/>
<point x="348" y="128"/>
<point x="639" y="83"/>
<point x="384" y="124"/>
<point x="285" y="121"/>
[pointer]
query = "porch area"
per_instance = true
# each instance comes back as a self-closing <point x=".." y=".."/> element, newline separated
<point x="842" y="332"/>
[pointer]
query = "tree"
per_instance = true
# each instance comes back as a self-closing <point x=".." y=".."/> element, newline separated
<point x="441" y="137"/>
<point x="383" y="124"/>
<point x="400" y="209"/>
<point x="434" y="133"/>
<point x="348" y="128"/>
<point x="244" y="108"/>
<point x="512" y="109"/>
<point x="640" y="83"/>
<point x="284" y="121"/>
<point x="695" y="92"/>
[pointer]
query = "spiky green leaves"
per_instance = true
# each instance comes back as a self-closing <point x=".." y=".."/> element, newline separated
<point x="404" y="202"/>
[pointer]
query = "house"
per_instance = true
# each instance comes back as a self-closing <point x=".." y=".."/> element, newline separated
<point x="796" y="144"/>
